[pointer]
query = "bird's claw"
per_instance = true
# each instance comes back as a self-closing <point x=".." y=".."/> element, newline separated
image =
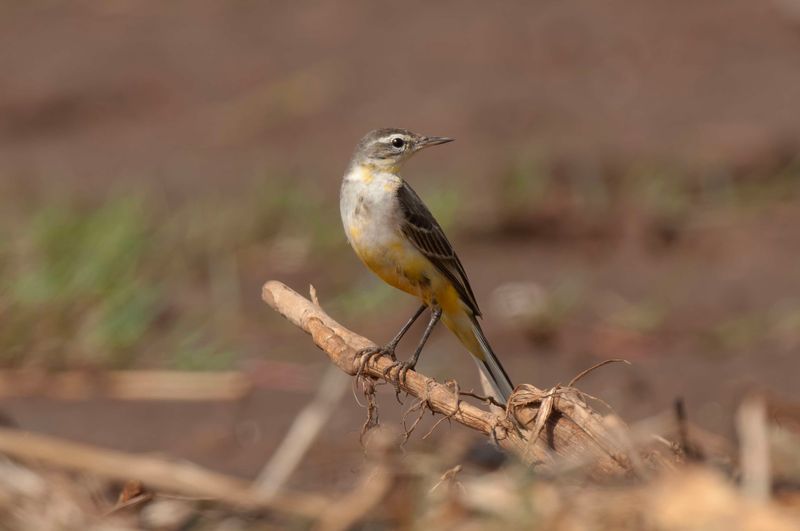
<point x="402" y="368"/>
<point x="369" y="354"/>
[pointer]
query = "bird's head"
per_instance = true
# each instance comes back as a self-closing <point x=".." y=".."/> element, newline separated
<point x="388" y="149"/>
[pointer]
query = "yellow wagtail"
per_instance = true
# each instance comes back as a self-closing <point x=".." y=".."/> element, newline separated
<point x="396" y="236"/>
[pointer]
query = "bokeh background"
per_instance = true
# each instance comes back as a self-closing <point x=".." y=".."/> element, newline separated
<point x="624" y="185"/>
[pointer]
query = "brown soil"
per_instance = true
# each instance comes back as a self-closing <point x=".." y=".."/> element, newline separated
<point x="197" y="96"/>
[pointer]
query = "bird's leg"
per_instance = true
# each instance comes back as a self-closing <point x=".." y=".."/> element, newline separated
<point x="370" y="353"/>
<point x="389" y="348"/>
<point x="404" y="366"/>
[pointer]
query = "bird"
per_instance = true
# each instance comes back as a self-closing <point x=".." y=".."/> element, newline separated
<point x="397" y="238"/>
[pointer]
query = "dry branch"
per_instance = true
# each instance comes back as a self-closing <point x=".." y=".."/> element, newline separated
<point x="154" y="472"/>
<point x="125" y="385"/>
<point x="303" y="432"/>
<point x="571" y="429"/>
<point x="752" y="426"/>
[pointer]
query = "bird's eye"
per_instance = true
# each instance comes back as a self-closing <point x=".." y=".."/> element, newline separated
<point x="398" y="142"/>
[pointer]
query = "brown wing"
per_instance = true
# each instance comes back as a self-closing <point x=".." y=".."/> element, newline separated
<point x="421" y="228"/>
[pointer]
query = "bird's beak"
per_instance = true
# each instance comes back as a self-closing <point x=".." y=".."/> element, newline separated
<point x="433" y="141"/>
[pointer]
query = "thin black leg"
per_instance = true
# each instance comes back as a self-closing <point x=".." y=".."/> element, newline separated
<point x="393" y="343"/>
<point x="368" y="354"/>
<point x="404" y="366"/>
<point x="436" y="314"/>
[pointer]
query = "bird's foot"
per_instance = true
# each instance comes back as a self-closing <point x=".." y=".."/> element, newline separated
<point x="402" y="368"/>
<point x="369" y="354"/>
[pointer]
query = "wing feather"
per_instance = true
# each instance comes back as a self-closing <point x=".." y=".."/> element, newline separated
<point x="422" y="229"/>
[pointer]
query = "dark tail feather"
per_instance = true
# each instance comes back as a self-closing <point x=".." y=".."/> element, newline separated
<point x="491" y="366"/>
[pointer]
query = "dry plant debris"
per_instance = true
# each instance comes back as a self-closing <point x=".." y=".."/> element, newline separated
<point x="570" y="428"/>
<point x="607" y="477"/>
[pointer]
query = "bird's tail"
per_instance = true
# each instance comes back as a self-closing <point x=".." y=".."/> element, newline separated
<point x="468" y="330"/>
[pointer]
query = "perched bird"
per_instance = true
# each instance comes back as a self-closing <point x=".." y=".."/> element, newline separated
<point x="396" y="236"/>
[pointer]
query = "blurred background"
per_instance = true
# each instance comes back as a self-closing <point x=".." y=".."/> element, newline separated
<point x="624" y="184"/>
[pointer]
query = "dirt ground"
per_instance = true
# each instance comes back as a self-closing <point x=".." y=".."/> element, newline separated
<point x="198" y="98"/>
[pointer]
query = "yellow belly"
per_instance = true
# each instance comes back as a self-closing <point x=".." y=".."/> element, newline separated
<point x="397" y="267"/>
<point x="405" y="268"/>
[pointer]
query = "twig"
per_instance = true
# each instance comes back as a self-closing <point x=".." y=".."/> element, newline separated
<point x="547" y="404"/>
<point x="575" y="430"/>
<point x="136" y="500"/>
<point x="486" y="399"/>
<point x="125" y="385"/>
<point x="368" y="385"/>
<point x="408" y="430"/>
<point x="751" y="425"/>
<point x="422" y="406"/>
<point x="302" y="433"/>
<point x="689" y="449"/>
<point x="155" y="473"/>
<point x="595" y="367"/>
<point x="449" y="476"/>
<point x="312" y="292"/>
<point x="447" y="417"/>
